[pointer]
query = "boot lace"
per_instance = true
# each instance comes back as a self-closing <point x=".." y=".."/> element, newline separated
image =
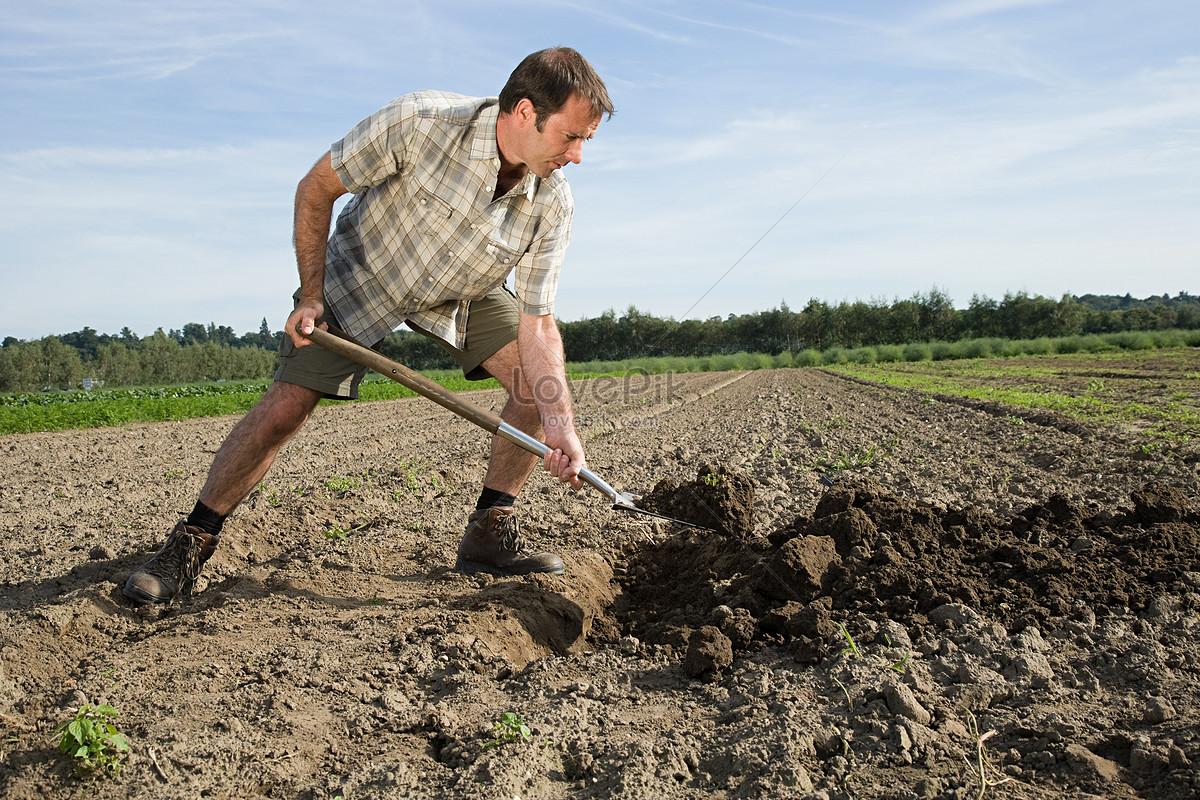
<point x="178" y="560"/>
<point x="510" y="534"/>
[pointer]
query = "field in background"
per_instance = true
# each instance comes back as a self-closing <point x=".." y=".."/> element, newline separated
<point x="1155" y="392"/>
<point x="954" y="368"/>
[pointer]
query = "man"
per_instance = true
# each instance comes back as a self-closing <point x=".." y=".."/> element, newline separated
<point x="451" y="194"/>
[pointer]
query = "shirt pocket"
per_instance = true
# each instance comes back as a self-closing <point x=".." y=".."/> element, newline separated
<point x="431" y="215"/>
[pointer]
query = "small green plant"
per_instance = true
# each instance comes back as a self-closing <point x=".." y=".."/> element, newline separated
<point x="408" y="477"/>
<point x="901" y="666"/>
<point x="856" y="459"/>
<point x="851" y="648"/>
<point x="511" y="727"/>
<point x="93" y="741"/>
<point x="713" y="479"/>
<point x="273" y="499"/>
<point x="341" y="485"/>
<point x="338" y="533"/>
<point x="173" y="474"/>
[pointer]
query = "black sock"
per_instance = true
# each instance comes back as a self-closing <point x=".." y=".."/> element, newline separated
<point x="490" y="498"/>
<point x="206" y="519"/>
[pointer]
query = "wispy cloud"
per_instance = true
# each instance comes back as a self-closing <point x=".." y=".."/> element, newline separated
<point x="761" y="33"/>
<point x="144" y="42"/>
<point x="622" y="22"/>
<point x="970" y="9"/>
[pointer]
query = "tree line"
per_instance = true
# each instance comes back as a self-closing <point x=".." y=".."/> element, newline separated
<point x="199" y="352"/>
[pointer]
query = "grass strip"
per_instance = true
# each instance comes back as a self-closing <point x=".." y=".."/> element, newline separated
<point x="56" y="411"/>
<point x="1173" y="421"/>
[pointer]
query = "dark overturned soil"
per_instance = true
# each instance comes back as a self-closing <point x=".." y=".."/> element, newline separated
<point x="913" y="574"/>
<point x="827" y="643"/>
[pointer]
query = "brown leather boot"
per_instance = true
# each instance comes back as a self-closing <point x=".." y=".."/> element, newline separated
<point x="174" y="568"/>
<point x="493" y="544"/>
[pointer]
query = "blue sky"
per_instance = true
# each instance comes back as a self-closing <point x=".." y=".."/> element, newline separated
<point x="151" y="149"/>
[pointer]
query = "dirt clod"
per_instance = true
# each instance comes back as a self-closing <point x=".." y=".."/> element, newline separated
<point x="718" y="498"/>
<point x="709" y="652"/>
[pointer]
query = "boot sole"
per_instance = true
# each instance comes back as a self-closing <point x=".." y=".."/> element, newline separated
<point x="141" y="597"/>
<point x="476" y="567"/>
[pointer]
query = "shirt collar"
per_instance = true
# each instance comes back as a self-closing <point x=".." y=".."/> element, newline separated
<point x="483" y="146"/>
<point x="483" y="143"/>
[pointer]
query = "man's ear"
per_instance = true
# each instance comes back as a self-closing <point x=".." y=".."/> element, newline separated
<point x="525" y="112"/>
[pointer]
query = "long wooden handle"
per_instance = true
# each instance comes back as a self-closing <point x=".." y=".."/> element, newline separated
<point x="403" y="375"/>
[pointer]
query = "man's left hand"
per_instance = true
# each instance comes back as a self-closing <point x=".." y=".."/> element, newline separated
<point x="566" y="458"/>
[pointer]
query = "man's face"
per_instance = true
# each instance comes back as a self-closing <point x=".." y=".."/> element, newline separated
<point x="561" y="138"/>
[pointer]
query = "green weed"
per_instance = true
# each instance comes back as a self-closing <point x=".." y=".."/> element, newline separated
<point x="341" y="485"/>
<point x="851" y="649"/>
<point x="857" y="459"/>
<point x="511" y="727"/>
<point x="713" y="479"/>
<point x="93" y="742"/>
<point x="337" y="533"/>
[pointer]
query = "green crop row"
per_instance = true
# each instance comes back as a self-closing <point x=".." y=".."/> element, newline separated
<point x="998" y="348"/>
<point x="53" y="411"/>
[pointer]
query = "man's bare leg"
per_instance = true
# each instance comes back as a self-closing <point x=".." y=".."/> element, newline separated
<point x="491" y="543"/>
<point x="244" y="457"/>
<point x="509" y="466"/>
<point x="250" y="449"/>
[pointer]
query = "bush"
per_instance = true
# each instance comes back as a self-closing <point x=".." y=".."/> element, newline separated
<point x="862" y="355"/>
<point x="976" y="348"/>
<point x="889" y="353"/>
<point x="917" y="352"/>
<point x="943" y="351"/>
<point x="807" y="358"/>
<point x="833" y="355"/>
<point x="1037" y="347"/>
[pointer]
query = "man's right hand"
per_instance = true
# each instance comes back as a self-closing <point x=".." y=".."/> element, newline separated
<point x="304" y="317"/>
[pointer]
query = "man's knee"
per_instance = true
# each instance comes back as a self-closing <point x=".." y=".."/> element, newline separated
<point x="284" y="409"/>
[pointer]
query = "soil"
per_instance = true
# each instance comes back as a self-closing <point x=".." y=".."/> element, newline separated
<point x="850" y="627"/>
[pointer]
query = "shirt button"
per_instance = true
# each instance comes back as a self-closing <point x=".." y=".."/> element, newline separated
<point x="450" y="253"/>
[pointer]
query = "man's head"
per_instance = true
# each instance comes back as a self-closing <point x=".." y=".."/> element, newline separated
<point x="552" y="102"/>
<point x="548" y="77"/>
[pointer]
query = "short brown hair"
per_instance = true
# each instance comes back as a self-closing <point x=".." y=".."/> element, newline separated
<point x="548" y="77"/>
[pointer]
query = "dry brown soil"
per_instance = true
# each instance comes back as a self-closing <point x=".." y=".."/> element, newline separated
<point x="1020" y="579"/>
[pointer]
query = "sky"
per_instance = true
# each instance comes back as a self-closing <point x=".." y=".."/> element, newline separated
<point x="761" y="152"/>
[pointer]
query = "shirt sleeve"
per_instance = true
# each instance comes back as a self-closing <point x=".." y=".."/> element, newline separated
<point x="537" y="271"/>
<point x="374" y="149"/>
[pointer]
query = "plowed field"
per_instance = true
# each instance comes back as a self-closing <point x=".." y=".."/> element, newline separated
<point x="896" y="576"/>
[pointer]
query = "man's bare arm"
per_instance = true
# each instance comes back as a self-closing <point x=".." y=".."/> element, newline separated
<point x="540" y="347"/>
<point x="315" y="196"/>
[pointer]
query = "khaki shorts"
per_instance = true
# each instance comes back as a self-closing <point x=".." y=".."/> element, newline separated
<point x="491" y="324"/>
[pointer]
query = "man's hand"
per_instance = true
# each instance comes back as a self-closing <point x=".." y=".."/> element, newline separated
<point x="566" y="459"/>
<point x="305" y="316"/>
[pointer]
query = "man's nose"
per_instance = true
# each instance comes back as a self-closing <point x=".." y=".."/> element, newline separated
<point x="575" y="152"/>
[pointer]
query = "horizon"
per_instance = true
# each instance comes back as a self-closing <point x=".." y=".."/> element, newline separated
<point x="620" y="312"/>
<point x="758" y="152"/>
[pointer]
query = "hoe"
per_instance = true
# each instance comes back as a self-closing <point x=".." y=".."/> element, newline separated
<point x="621" y="501"/>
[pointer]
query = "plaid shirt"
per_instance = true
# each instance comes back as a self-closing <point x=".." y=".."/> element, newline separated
<point x="422" y="236"/>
